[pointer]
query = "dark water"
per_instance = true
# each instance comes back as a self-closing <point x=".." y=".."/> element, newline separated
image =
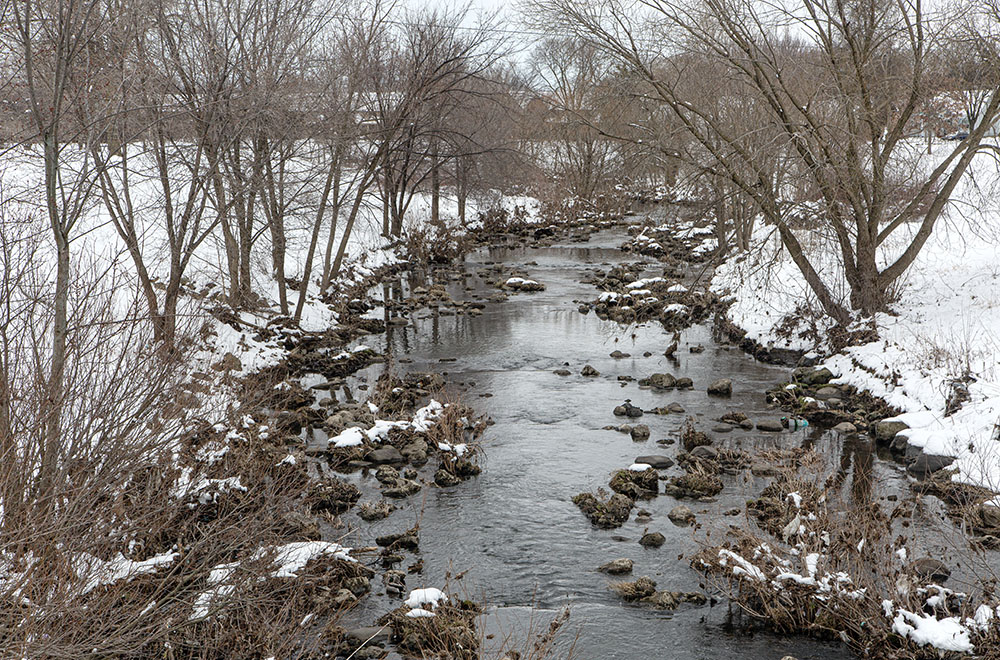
<point x="526" y="548"/>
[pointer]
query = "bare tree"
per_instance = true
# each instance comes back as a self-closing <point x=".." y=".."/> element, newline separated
<point x="57" y="46"/>
<point x="843" y="94"/>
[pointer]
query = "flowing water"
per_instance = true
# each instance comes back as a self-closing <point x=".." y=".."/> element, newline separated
<point x="527" y="549"/>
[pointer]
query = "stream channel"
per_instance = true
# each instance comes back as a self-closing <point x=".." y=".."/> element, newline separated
<point x="527" y="549"/>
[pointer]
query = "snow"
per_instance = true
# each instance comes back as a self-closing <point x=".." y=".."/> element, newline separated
<point x="644" y="283"/>
<point x="459" y="449"/>
<point x="352" y="437"/>
<point x="947" y="634"/>
<point x="288" y="560"/>
<point x="429" y="596"/>
<point x="419" y="613"/>
<point x="292" y="557"/>
<point x="942" y="329"/>
<point x="98" y="573"/>
<point x="742" y="566"/>
<point x="640" y="467"/>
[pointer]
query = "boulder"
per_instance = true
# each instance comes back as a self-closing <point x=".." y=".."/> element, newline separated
<point x="734" y="417"/>
<point x="589" y="371"/>
<point x="684" y="383"/>
<point x="617" y="567"/>
<point x="989" y="515"/>
<point x="812" y="376"/>
<point x="377" y="634"/>
<point x="721" y="387"/>
<point x="446" y="479"/>
<point x="827" y="392"/>
<point x="384" y="455"/>
<point x="845" y="427"/>
<point x="606" y="514"/>
<point x="705" y="451"/>
<point x="926" y="464"/>
<point x="652" y="540"/>
<point x="656" y="461"/>
<point x="639" y="432"/>
<point x="929" y="570"/>
<point x="886" y="430"/>
<point x="769" y="426"/>
<point x="681" y="515"/>
<point x="562" y="372"/>
<point x="659" y="381"/>
<point x="627" y="410"/>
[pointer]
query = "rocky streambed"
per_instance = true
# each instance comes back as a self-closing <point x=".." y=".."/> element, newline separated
<point x="612" y="441"/>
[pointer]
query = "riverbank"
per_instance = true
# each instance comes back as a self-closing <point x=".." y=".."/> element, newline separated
<point x="921" y="381"/>
<point x="935" y="356"/>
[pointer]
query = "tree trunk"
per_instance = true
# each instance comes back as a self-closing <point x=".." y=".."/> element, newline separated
<point x="435" y="188"/>
<point x="60" y="322"/>
<point x="313" y="240"/>
<point x="461" y="189"/>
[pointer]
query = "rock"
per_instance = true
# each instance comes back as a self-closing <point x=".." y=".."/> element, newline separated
<point x="415" y="452"/>
<point x="627" y="410"/>
<point x="769" y="426"/>
<point x="659" y="381"/>
<point x="662" y="600"/>
<point x="652" y="540"/>
<point x="618" y="355"/>
<point x="378" y="634"/>
<point x="589" y="371"/>
<point x="886" y="430"/>
<point x="407" y="540"/>
<point x="229" y="362"/>
<point x="763" y="470"/>
<point x="929" y="569"/>
<point x="371" y="511"/>
<point x="684" y="383"/>
<point x="926" y="464"/>
<point x="681" y="515"/>
<point x="812" y="376"/>
<point x="635" y="484"/>
<point x="693" y="486"/>
<point x="632" y="591"/>
<point x="705" y="451"/>
<point x="385" y="454"/>
<point x="343" y="598"/>
<point x="639" y="432"/>
<point x="401" y="487"/>
<point x="358" y="586"/>
<point x="563" y="372"/>
<point x="697" y="349"/>
<point x="845" y="427"/>
<point x="446" y="479"/>
<point x="989" y="515"/>
<point x="608" y="513"/>
<point x="617" y="567"/>
<point x="827" y="393"/>
<point x="656" y="461"/>
<point x="721" y="387"/>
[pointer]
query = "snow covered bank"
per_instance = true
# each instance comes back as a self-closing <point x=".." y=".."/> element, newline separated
<point x="938" y="353"/>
